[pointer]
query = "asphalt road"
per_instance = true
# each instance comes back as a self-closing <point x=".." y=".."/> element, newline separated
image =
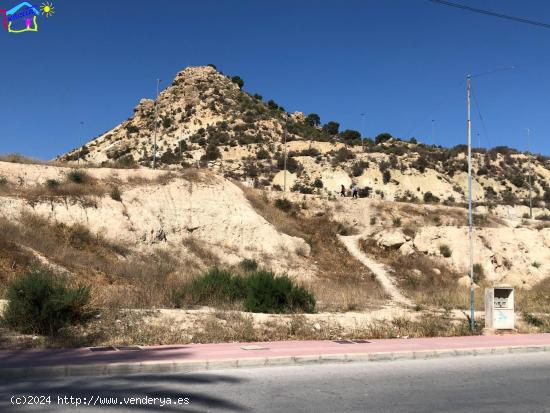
<point x="508" y="383"/>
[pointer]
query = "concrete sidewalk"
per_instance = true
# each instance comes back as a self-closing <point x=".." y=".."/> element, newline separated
<point x="193" y="357"/>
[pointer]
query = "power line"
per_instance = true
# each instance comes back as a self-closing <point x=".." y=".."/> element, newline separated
<point x="476" y="104"/>
<point x="492" y="13"/>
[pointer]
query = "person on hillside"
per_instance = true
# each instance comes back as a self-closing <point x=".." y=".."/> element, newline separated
<point x="343" y="191"/>
<point x="354" y="191"/>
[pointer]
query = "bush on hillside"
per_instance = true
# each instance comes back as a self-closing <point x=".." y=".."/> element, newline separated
<point x="78" y="176"/>
<point x="358" y="168"/>
<point x="318" y="183"/>
<point x="331" y="128"/>
<point x="212" y="153"/>
<point x="213" y="287"/>
<point x="479" y="273"/>
<point x="284" y="204"/>
<point x="248" y="265"/>
<point x="350" y="135"/>
<point x="116" y="194"/>
<point x="41" y="303"/>
<point x="383" y="137"/>
<point x="292" y="165"/>
<point x="430" y="198"/>
<point x="258" y="291"/>
<point x="445" y="250"/>
<point x="52" y="184"/>
<point x="238" y="81"/>
<point x="269" y="294"/>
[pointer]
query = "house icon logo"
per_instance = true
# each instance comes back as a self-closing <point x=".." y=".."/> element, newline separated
<point x="23" y="17"/>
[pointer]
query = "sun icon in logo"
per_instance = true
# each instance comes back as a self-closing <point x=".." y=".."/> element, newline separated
<point x="47" y="9"/>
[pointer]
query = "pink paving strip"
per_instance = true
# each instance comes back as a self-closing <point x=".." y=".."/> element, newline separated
<point x="212" y="352"/>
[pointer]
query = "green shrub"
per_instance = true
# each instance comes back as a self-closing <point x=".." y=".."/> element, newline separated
<point x="386" y="176"/>
<point x="262" y="154"/>
<point x="533" y="319"/>
<point x="479" y="273"/>
<point x="238" y="81"/>
<point x="269" y="294"/>
<point x="257" y="291"/>
<point x="213" y="287"/>
<point x="248" y="265"/>
<point x="430" y="198"/>
<point x="445" y="250"/>
<point x="397" y="222"/>
<point x="78" y="177"/>
<point x="284" y="204"/>
<point x="303" y="189"/>
<point x="116" y="194"/>
<point x="52" y="184"/>
<point x="318" y="183"/>
<point x="41" y="303"/>
<point x="3" y="181"/>
<point x="212" y="153"/>
<point x="358" y="168"/>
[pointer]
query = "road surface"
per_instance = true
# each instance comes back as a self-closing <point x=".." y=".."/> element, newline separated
<point x="507" y="383"/>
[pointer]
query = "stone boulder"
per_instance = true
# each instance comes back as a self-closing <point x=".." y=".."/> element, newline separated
<point x="406" y="249"/>
<point x="392" y="239"/>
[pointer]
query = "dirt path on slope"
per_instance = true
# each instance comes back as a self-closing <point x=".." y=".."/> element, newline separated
<point x="352" y="245"/>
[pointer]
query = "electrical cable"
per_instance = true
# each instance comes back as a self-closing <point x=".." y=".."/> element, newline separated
<point x="476" y="104"/>
<point x="492" y="13"/>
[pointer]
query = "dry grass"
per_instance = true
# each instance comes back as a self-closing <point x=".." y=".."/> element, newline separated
<point x="535" y="300"/>
<point x="346" y="294"/>
<point x="417" y="215"/>
<point x="337" y="269"/>
<point x="130" y="328"/>
<point x="426" y="281"/>
<point x="18" y="158"/>
<point x="14" y="261"/>
<point x="60" y="191"/>
<point x="119" y="279"/>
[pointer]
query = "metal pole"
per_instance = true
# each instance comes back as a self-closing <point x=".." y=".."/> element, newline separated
<point x="284" y="185"/>
<point x="470" y="221"/>
<point x="155" y="135"/>
<point x="530" y="186"/>
<point x="433" y="131"/>
<point x="362" y="132"/>
<point x="81" y="137"/>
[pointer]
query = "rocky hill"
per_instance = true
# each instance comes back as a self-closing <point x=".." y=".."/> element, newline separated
<point x="206" y="119"/>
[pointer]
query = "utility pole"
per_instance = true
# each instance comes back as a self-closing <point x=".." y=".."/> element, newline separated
<point x="81" y="137"/>
<point x="155" y="135"/>
<point x="284" y="161"/>
<point x="362" y="132"/>
<point x="470" y="221"/>
<point x="433" y="131"/>
<point x="530" y="172"/>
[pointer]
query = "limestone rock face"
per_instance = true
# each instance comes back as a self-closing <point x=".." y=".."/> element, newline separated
<point x="207" y="209"/>
<point x="507" y="254"/>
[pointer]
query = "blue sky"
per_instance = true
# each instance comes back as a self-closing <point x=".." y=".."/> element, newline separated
<point x="401" y="62"/>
